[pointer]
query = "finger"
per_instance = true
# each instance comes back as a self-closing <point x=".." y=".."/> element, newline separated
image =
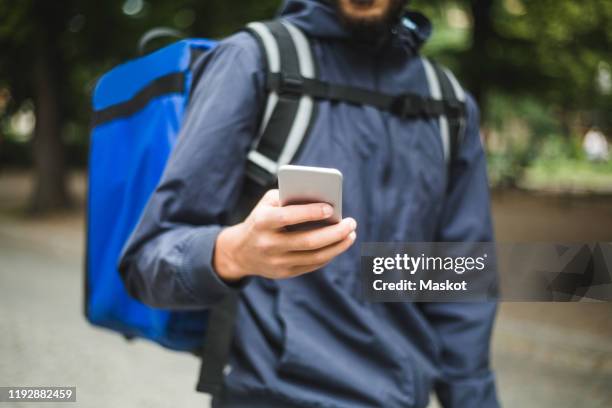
<point x="323" y="255"/>
<point x="297" y="214"/>
<point x="271" y="197"/>
<point x="264" y="212"/>
<point x="320" y="237"/>
<point x="298" y="270"/>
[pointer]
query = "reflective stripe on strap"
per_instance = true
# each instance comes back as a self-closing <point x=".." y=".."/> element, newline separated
<point x="306" y="106"/>
<point x="460" y="94"/>
<point x="273" y="58"/>
<point x="436" y="93"/>
<point x="262" y="161"/>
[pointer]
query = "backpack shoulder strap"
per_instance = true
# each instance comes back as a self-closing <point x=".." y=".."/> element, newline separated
<point x="287" y="115"/>
<point x="286" y="119"/>
<point x="444" y="86"/>
<point x="217" y="345"/>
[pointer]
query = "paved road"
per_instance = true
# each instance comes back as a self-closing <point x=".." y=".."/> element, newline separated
<point x="546" y="355"/>
<point x="46" y="341"/>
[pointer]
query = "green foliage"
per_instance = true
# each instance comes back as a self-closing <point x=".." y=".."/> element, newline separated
<point x="570" y="175"/>
<point x="533" y="65"/>
<point x="516" y="129"/>
<point x="550" y="50"/>
<point x="82" y="40"/>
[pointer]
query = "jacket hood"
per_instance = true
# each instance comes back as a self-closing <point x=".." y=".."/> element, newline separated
<point x="318" y="18"/>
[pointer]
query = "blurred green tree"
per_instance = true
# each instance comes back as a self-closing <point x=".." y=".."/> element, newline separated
<point x="528" y="61"/>
<point x="554" y="52"/>
<point x="52" y="52"/>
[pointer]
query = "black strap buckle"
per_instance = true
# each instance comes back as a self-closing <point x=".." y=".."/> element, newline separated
<point x="286" y="84"/>
<point x="406" y="105"/>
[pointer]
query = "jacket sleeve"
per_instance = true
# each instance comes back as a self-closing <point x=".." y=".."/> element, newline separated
<point x="167" y="262"/>
<point x="464" y="329"/>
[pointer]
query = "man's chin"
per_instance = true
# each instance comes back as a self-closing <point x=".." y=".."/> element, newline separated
<point x="369" y="19"/>
<point x="365" y="10"/>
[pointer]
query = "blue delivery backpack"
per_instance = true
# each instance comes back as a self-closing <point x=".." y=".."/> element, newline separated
<point x="138" y="109"/>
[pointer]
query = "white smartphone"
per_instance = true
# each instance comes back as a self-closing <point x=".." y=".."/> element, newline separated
<point x="306" y="184"/>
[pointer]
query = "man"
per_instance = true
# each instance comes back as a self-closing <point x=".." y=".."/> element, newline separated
<point x="304" y="337"/>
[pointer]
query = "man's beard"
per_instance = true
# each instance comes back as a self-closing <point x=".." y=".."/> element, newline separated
<point x="371" y="30"/>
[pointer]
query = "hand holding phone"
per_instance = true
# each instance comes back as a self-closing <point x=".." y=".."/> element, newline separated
<point x="289" y="236"/>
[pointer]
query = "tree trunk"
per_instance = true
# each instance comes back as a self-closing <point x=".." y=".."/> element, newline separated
<point x="50" y="191"/>
<point x="481" y="36"/>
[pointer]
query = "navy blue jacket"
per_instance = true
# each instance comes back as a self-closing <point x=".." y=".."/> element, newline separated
<point x="312" y="340"/>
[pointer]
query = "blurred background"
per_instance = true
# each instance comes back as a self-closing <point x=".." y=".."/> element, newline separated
<point x="540" y="70"/>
